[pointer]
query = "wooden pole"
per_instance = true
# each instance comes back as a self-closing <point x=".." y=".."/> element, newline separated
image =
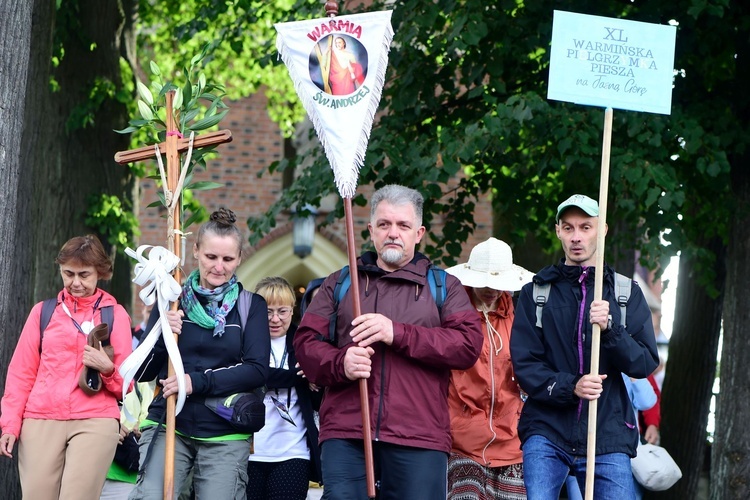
<point x="174" y="241"/>
<point x="172" y="147"/>
<point x="363" y="395"/>
<point x="598" y="286"/>
<point x="332" y="10"/>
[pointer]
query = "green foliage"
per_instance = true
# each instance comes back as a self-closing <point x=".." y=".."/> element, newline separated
<point x="112" y="218"/>
<point x="467" y="116"/>
<point x="466" y="93"/>
<point x="241" y="37"/>
<point x="82" y="116"/>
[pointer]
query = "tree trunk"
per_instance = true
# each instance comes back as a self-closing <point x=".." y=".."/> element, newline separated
<point x="74" y="156"/>
<point x="48" y="165"/>
<point x="690" y="373"/>
<point x="730" y="465"/>
<point x="25" y="46"/>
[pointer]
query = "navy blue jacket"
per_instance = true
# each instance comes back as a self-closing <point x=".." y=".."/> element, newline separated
<point x="548" y="362"/>
<point x="218" y="366"/>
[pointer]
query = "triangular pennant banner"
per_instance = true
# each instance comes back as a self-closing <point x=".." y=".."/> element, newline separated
<point x="338" y="67"/>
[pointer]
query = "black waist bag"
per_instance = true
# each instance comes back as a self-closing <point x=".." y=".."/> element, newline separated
<point x="245" y="411"/>
<point x="127" y="453"/>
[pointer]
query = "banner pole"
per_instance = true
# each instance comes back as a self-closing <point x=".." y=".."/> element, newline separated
<point x="598" y="286"/>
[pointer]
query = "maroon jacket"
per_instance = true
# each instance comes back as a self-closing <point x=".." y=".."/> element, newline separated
<point x="408" y="386"/>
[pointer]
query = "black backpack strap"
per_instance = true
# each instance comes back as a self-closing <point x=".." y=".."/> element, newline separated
<point x="342" y="286"/>
<point x="48" y="308"/>
<point x="108" y="317"/>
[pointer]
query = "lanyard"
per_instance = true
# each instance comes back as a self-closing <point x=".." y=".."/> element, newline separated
<point x="281" y="365"/>
<point x="78" y="327"/>
<point x="283" y="358"/>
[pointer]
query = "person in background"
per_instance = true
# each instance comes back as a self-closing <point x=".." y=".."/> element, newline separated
<point x="650" y="419"/>
<point x="485" y="401"/>
<point x="310" y="291"/>
<point x="220" y="359"/>
<point x="286" y="454"/>
<point x="121" y="477"/>
<point x="139" y="332"/>
<point x="67" y="434"/>
<point x="551" y="353"/>
<point x="405" y="348"/>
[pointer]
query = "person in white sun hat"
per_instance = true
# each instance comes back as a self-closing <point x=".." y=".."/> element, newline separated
<point x="485" y="401"/>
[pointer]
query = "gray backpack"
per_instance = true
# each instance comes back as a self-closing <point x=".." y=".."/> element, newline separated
<point x="623" y="285"/>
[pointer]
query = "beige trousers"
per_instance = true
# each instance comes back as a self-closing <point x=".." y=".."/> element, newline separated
<point x="66" y="459"/>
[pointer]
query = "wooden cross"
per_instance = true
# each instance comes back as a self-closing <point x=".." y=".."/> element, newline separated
<point x="173" y="146"/>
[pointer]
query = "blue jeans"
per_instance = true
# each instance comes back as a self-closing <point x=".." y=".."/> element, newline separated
<point x="401" y="472"/>
<point x="546" y="467"/>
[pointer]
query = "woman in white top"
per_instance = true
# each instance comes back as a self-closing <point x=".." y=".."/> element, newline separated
<point x="286" y="456"/>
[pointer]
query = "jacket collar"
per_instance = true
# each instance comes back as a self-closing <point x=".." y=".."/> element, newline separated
<point x="561" y="271"/>
<point x="415" y="270"/>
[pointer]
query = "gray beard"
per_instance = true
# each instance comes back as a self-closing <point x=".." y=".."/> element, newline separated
<point x="392" y="256"/>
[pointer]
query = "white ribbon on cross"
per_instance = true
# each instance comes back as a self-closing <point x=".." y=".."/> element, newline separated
<point x="153" y="273"/>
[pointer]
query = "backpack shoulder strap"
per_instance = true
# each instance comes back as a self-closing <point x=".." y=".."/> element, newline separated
<point x="343" y="283"/>
<point x="436" y="279"/>
<point x="540" y="294"/>
<point x="108" y="316"/>
<point x="243" y="304"/>
<point x="623" y="286"/>
<point x="48" y="308"/>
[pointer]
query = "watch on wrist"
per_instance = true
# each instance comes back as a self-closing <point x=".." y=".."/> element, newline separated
<point x="609" y="323"/>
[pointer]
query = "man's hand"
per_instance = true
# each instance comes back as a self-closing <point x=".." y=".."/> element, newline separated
<point x="589" y="386"/>
<point x="371" y="328"/>
<point x="357" y="362"/>
<point x="599" y="313"/>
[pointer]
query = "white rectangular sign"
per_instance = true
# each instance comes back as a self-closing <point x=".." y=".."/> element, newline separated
<point x="602" y="61"/>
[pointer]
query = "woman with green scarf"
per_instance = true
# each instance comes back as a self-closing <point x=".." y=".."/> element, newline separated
<point x="220" y="359"/>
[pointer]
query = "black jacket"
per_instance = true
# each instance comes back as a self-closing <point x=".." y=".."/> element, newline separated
<point x="547" y="363"/>
<point x="218" y="366"/>
<point x="309" y="401"/>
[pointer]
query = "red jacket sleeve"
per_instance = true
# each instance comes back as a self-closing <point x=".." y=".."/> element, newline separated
<point x="652" y="416"/>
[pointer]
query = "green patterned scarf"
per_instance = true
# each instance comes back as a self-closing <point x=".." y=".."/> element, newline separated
<point x="219" y="302"/>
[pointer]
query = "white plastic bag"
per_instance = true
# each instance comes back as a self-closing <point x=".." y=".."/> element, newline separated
<point x="654" y="468"/>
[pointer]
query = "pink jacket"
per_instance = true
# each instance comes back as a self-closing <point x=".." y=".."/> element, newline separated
<point x="46" y="386"/>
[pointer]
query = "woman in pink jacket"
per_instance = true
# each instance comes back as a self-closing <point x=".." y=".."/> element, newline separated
<point x="61" y="393"/>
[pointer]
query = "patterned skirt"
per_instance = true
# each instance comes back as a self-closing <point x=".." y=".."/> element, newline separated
<point x="468" y="480"/>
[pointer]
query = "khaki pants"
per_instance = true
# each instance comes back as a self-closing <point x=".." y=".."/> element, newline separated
<point x="66" y="459"/>
<point x="219" y="468"/>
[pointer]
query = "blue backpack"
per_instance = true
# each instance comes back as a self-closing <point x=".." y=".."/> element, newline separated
<point x="435" y="279"/>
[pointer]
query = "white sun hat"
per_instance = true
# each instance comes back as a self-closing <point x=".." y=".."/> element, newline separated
<point x="491" y="266"/>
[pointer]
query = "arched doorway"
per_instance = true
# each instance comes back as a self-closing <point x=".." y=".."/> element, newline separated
<point x="277" y="259"/>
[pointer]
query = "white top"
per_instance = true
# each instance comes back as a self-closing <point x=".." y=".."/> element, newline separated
<point x="279" y="440"/>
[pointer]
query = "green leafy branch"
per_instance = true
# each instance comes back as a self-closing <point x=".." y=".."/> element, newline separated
<point x="112" y="218"/>
<point x="197" y="106"/>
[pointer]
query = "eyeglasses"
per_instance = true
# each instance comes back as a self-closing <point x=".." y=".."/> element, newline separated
<point x="283" y="313"/>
